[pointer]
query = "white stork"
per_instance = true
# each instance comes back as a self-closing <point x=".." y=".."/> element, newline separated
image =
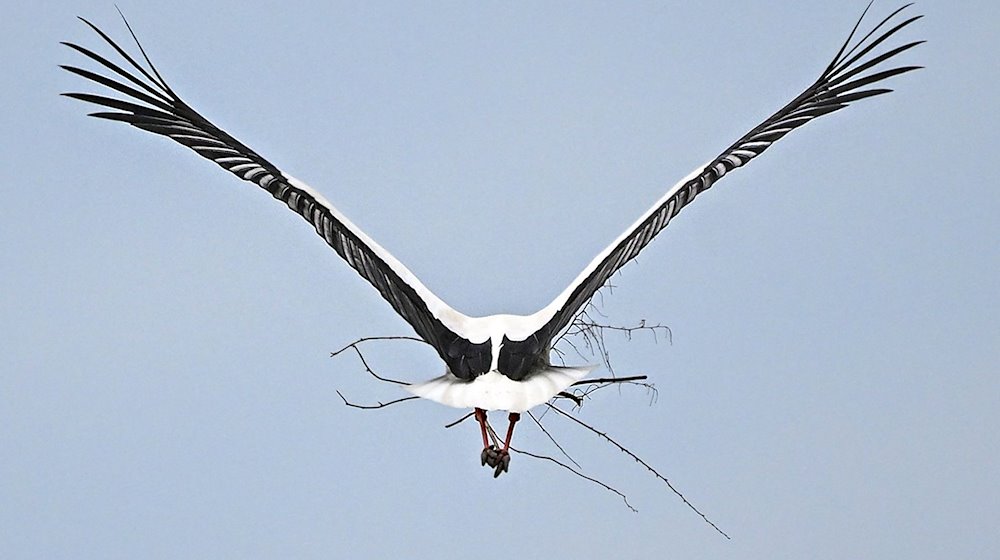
<point x="500" y="362"/>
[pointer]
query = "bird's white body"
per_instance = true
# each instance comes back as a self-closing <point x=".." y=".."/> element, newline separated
<point x="495" y="391"/>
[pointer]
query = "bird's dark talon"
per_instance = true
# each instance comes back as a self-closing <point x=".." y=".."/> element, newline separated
<point x="502" y="463"/>
<point x="490" y="456"/>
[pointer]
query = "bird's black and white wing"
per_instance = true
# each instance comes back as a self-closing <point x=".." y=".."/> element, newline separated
<point x="845" y="80"/>
<point x="151" y="105"/>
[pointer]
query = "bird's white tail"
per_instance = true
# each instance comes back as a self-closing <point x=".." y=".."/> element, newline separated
<point x="495" y="391"/>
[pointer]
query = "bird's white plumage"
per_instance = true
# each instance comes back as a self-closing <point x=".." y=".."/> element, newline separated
<point x="495" y="391"/>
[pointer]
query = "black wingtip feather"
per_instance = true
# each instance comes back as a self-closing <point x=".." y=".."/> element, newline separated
<point x="155" y="81"/>
<point x="160" y="81"/>
<point x="845" y="64"/>
<point x="839" y="61"/>
<point x="848" y="70"/>
<point x="151" y="89"/>
<point x="847" y="42"/>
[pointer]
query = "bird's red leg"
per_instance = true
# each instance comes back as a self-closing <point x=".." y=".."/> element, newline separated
<point x="481" y="418"/>
<point x="489" y="454"/>
<point x="514" y="417"/>
<point x="503" y="459"/>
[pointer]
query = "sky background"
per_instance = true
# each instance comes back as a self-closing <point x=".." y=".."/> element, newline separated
<point x="831" y="389"/>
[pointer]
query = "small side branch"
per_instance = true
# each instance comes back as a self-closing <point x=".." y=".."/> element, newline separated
<point x="553" y="440"/>
<point x="459" y="421"/>
<point x="579" y="474"/>
<point x="589" y="386"/>
<point x="379" y="404"/>
<point x="610" y="380"/>
<point x="364" y="362"/>
<point x="623" y="449"/>
<point x="374" y="338"/>
<point x="355" y="346"/>
<point x="592" y="333"/>
<point x="657" y="330"/>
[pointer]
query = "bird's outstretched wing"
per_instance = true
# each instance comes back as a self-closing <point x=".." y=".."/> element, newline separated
<point x="149" y="103"/>
<point x="848" y="78"/>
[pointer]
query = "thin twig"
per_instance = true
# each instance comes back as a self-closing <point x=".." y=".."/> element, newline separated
<point x="373" y="338"/>
<point x="583" y="394"/>
<point x="375" y="406"/>
<point x="364" y="362"/>
<point x="553" y="440"/>
<point x="642" y="326"/>
<point x="641" y="462"/>
<point x="578" y="396"/>
<point x="596" y="384"/>
<point x="575" y="348"/>
<point x="579" y="474"/>
<point x="611" y="380"/>
<point x="560" y="354"/>
<point x="459" y="421"/>
<point x="592" y="332"/>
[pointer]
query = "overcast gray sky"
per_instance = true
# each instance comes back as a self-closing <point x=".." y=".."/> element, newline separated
<point x="830" y="391"/>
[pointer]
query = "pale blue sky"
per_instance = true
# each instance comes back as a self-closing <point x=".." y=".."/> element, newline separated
<point x="831" y="390"/>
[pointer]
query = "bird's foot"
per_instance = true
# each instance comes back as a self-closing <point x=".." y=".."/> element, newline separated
<point x="490" y="456"/>
<point x="503" y="465"/>
<point x="498" y="459"/>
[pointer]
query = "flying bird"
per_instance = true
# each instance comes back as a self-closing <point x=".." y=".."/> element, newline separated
<point x="500" y="362"/>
